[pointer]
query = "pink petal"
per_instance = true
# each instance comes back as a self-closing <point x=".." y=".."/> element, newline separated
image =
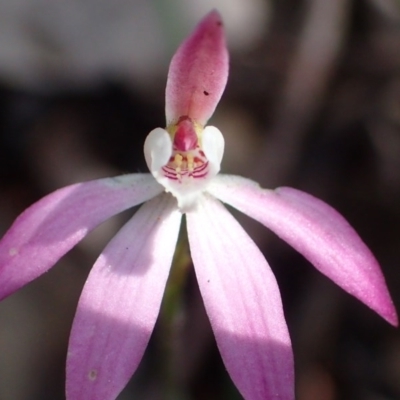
<point x="243" y="303"/>
<point x="120" y="303"/>
<point x="318" y="232"/>
<point x="49" y="228"/>
<point x="198" y="72"/>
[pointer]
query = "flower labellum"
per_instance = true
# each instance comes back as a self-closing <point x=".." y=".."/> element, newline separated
<point x="121" y="298"/>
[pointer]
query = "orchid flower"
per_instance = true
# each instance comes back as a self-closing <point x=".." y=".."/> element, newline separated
<point x="122" y="295"/>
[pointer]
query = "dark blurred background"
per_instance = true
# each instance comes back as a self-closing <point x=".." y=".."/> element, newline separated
<point x="313" y="101"/>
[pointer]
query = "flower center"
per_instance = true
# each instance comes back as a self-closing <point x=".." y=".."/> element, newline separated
<point x="185" y="136"/>
<point x="184" y="158"/>
<point x="187" y="159"/>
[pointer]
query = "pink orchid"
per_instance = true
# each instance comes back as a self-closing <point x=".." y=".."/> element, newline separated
<point x="121" y="298"/>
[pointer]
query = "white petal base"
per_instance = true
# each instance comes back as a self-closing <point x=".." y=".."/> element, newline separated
<point x="185" y="186"/>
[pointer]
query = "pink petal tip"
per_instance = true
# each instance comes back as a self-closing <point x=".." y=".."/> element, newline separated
<point x="198" y="72"/>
